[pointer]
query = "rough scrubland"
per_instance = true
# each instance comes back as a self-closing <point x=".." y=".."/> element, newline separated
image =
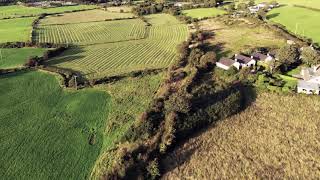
<point x="47" y="132"/>
<point x="276" y="137"/>
<point x="240" y="36"/>
<point x="11" y="58"/>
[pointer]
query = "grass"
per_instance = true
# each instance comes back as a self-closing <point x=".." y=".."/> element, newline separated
<point x="277" y="137"/>
<point x="45" y="130"/>
<point x="16" y="30"/>
<point x="11" y="58"/>
<point x="157" y="50"/>
<point x="203" y="12"/>
<point x="84" y="16"/>
<point x="240" y="37"/>
<point x="91" y="32"/>
<point x="307" y="3"/>
<point x="18" y="11"/>
<point x="298" y="20"/>
<point x="130" y="97"/>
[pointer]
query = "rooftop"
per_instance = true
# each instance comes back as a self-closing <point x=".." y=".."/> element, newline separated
<point x="259" y="56"/>
<point x="242" y="59"/>
<point x="308" y="85"/>
<point x="226" y="61"/>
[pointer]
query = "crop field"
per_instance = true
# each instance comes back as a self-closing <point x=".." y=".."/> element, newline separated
<point x="11" y="58"/>
<point x="18" y="11"/>
<point x="240" y="37"/>
<point x="157" y="50"/>
<point x="277" y="137"/>
<point x="45" y="131"/>
<point x="84" y="16"/>
<point x="203" y="12"/>
<point x="16" y="29"/>
<point x="91" y="32"/>
<point x="301" y="21"/>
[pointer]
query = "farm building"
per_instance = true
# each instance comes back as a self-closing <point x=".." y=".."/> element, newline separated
<point x="310" y="83"/>
<point x="262" y="57"/>
<point x="243" y="61"/>
<point x="225" y="63"/>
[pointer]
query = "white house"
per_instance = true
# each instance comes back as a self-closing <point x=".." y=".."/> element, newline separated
<point x="243" y="61"/>
<point x="225" y="63"/>
<point x="262" y="57"/>
<point x="310" y="83"/>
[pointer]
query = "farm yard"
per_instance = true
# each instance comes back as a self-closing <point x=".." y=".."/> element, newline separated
<point x="276" y="137"/>
<point x="203" y="12"/>
<point x="156" y="50"/>
<point x="11" y="58"/>
<point x="16" y="29"/>
<point x="15" y="11"/>
<point x="42" y="123"/>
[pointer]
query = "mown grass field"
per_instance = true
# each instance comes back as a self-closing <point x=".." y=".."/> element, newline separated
<point x="18" y="11"/>
<point x="91" y="32"/>
<point x="301" y="21"/>
<point x="11" y="58"/>
<point x="277" y="137"/>
<point x="16" y="29"/>
<point x="157" y="50"/>
<point x="84" y="16"/>
<point x="45" y="130"/>
<point x="307" y="3"/>
<point x="203" y="12"/>
<point x="240" y="37"/>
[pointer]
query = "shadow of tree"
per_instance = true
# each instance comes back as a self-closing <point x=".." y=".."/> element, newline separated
<point x="273" y="15"/>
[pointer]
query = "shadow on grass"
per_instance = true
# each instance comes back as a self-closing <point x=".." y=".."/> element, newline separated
<point x="273" y="15"/>
<point x="69" y="55"/>
<point x="176" y="158"/>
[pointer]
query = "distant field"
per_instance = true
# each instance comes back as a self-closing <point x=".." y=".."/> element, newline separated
<point x="157" y="50"/>
<point x="240" y="37"/>
<point x="203" y="12"/>
<point x="298" y="20"/>
<point x="45" y="130"/>
<point x="307" y="3"/>
<point x="277" y="137"/>
<point x="10" y="58"/>
<point x="18" y="11"/>
<point x="91" y="32"/>
<point x="16" y="29"/>
<point x="84" y="16"/>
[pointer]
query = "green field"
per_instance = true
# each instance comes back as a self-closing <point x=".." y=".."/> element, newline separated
<point x="203" y="12"/>
<point x="91" y="32"/>
<point x="298" y="20"/>
<point x="11" y="58"/>
<point x="45" y="130"/>
<point x="130" y="97"/>
<point x="157" y="50"/>
<point x="19" y="29"/>
<point x="18" y="11"/>
<point x="84" y="16"/>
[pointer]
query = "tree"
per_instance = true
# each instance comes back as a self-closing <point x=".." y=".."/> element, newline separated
<point x="242" y="6"/>
<point x="251" y="3"/>
<point x="288" y="55"/>
<point x="231" y="7"/>
<point x="310" y="56"/>
<point x="262" y="14"/>
<point x="207" y="60"/>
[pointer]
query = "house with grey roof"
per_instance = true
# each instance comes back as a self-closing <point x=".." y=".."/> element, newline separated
<point x="225" y="63"/>
<point x="310" y="80"/>
<point x="262" y="57"/>
<point x="243" y="61"/>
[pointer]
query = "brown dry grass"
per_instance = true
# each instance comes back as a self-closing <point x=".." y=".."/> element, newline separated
<point x="276" y="137"/>
<point x="241" y="36"/>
